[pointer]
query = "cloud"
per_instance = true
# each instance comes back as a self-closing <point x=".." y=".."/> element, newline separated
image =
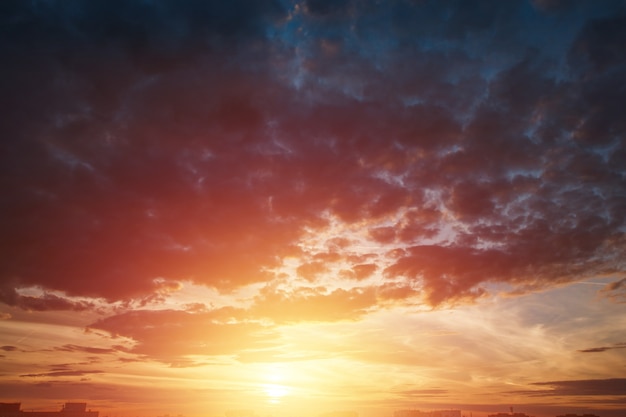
<point x="144" y="151"/>
<point x="360" y="272"/>
<point x="593" y="387"/>
<point x="170" y="335"/>
<point x="9" y="348"/>
<point x="309" y="271"/>
<point x="603" y="348"/>
<point x="615" y="291"/>
<point x="251" y="334"/>
<point x="85" y="349"/>
<point x="61" y="374"/>
<point x="104" y="396"/>
<point x="314" y="304"/>
<point x="45" y="302"/>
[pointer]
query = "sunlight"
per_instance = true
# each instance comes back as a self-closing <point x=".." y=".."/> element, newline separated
<point x="275" y="392"/>
<point x="274" y="388"/>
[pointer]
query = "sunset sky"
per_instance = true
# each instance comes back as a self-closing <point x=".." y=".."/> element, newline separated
<point x="294" y="207"/>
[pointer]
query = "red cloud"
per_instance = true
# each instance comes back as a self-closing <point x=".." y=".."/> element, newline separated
<point x="218" y="168"/>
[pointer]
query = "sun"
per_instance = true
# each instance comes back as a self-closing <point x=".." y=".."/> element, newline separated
<point x="275" y="392"/>
<point x="274" y="387"/>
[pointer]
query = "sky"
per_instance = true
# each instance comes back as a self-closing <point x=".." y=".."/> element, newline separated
<point x="300" y="207"/>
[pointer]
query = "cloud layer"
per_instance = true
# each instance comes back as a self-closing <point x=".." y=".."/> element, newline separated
<point x="160" y="141"/>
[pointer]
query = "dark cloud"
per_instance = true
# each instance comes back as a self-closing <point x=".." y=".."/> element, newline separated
<point x="61" y="374"/>
<point x="85" y="349"/>
<point x="203" y="140"/>
<point x="9" y="348"/>
<point x="614" y="386"/>
<point x="327" y="7"/>
<point x="596" y="350"/>
<point x="603" y="348"/>
<point x="46" y="302"/>
<point x="598" y="46"/>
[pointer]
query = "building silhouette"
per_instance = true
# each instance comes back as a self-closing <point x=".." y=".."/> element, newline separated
<point x="68" y="410"/>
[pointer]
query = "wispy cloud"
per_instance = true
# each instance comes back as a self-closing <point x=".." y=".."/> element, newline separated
<point x="85" y="349"/>
<point x="61" y="374"/>
<point x="45" y="302"/>
<point x="603" y="348"/>
<point x="592" y="387"/>
<point x="615" y="291"/>
<point x="9" y="348"/>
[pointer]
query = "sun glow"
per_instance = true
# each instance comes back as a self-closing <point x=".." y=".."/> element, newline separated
<point x="274" y="387"/>
<point x="275" y="392"/>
